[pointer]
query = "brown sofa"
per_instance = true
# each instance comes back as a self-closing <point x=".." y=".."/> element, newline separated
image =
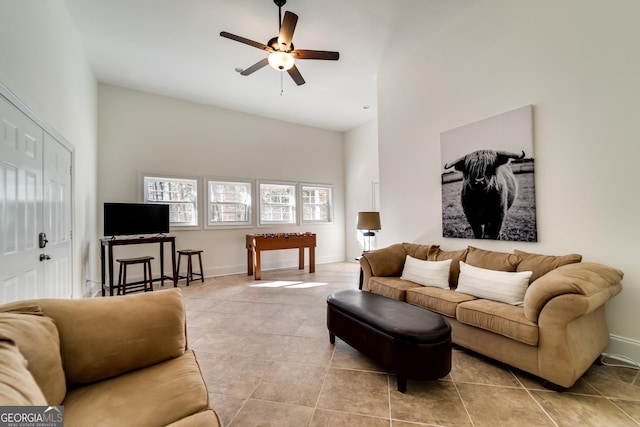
<point x="556" y="333"/>
<point x="120" y="361"/>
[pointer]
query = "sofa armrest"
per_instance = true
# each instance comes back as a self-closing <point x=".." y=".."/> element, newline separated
<point x="599" y="283"/>
<point x="387" y="261"/>
<point x="365" y="273"/>
<point x="104" y="337"/>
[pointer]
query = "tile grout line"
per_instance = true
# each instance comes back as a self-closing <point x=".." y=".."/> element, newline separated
<point x="612" y="401"/>
<point x="389" y="398"/>
<point x="534" y="399"/>
<point x="464" y="404"/>
<point x="238" y="411"/>
<point x="324" y="380"/>
<point x="247" y="399"/>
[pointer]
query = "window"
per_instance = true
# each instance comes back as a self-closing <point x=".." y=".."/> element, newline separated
<point x="277" y="203"/>
<point x="180" y="194"/>
<point x="229" y="203"/>
<point x="317" y="204"/>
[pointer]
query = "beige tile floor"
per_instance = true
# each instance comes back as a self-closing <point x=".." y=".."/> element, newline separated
<point x="265" y="354"/>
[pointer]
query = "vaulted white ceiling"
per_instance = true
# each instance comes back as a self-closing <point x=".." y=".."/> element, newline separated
<point x="173" y="47"/>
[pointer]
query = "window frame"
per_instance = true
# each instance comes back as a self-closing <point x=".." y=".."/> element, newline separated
<point x="294" y="214"/>
<point x="144" y="176"/>
<point x="231" y="224"/>
<point x="330" y="213"/>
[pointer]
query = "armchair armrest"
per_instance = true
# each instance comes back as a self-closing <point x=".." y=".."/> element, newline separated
<point x="104" y="337"/>
<point x="599" y="283"/>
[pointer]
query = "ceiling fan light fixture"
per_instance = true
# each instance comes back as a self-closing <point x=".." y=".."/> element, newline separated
<point x="281" y="61"/>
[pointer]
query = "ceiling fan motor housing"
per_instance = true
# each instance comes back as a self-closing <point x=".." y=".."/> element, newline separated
<point x="273" y="43"/>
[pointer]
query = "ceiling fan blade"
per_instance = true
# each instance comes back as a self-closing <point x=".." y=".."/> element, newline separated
<point x="255" y="67"/>
<point x="286" y="30"/>
<point x="245" y="41"/>
<point x="315" y="54"/>
<point x="296" y="76"/>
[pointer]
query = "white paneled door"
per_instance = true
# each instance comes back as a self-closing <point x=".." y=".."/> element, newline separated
<point x="57" y="218"/>
<point x="35" y="210"/>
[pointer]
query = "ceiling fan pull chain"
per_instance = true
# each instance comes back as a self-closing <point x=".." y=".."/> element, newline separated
<point x="281" y="83"/>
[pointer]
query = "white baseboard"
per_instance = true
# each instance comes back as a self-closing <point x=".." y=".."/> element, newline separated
<point x="266" y="266"/>
<point x="227" y="270"/>
<point x="624" y="346"/>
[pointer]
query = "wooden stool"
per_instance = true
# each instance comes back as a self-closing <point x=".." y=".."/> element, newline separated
<point x="188" y="253"/>
<point x="122" y="277"/>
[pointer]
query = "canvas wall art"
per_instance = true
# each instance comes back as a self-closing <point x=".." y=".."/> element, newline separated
<point x="488" y="185"/>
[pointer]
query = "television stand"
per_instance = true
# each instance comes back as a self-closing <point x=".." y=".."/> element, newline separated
<point x="109" y="243"/>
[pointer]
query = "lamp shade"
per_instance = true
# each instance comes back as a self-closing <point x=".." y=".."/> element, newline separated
<point x="368" y="221"/>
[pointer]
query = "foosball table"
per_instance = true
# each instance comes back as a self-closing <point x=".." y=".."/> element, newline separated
<point x="268" y="242"/>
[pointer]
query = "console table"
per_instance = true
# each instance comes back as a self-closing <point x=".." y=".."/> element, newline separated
<point x="161" y="240"/>
<point x="269" y="242"/>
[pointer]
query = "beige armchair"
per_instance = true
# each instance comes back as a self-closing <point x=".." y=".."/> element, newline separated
<point x="119" y="361"/>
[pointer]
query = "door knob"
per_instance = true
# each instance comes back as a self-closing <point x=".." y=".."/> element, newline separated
<point x="44" y="257"/>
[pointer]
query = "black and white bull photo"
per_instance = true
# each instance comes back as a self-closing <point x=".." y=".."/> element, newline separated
<point x="486" y="194"/>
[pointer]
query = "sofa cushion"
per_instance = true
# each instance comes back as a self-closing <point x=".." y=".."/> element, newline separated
<point x="17" y="385"/>
<point x="97" y="343"/>
<point x="503" y="319"/>
<point x="420" y="251"/>
<point x="37" y="338"/>
<point x="442" y="301"/>
<point x="503" y="286"/>
<point x="427" y="273"/>
<point x="155" y="396"/>
<point x="455" y="257"/>
<point x="391" y="287"/>
<point x="542" y="264"/>
<point x="387" y="261"/>
<point x="492" y="260"/>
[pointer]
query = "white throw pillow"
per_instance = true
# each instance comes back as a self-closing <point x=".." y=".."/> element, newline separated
<point x="427" y="273"/>
<point x="495" y="285"/>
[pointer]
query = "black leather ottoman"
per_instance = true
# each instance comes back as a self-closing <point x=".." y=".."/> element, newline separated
<point x="408" y="341"/>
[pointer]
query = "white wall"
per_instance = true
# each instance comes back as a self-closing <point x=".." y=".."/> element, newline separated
<point x="361" y="161"/>
<point x="141" y="132"/>
<point x="577" y="62"/>
<point x="41" y="62"/>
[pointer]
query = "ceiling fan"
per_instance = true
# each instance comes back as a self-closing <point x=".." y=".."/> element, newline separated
<point x="282" y="54"/>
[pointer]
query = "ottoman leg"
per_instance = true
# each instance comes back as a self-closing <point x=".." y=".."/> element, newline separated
<point x="332" y="338"/>
<point x="402" y="383"/>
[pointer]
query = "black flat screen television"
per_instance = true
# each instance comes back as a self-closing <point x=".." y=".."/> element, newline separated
<point x="125" y="219"/>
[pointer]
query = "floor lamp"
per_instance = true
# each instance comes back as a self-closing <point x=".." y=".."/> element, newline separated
<point x="368" y="224"/>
